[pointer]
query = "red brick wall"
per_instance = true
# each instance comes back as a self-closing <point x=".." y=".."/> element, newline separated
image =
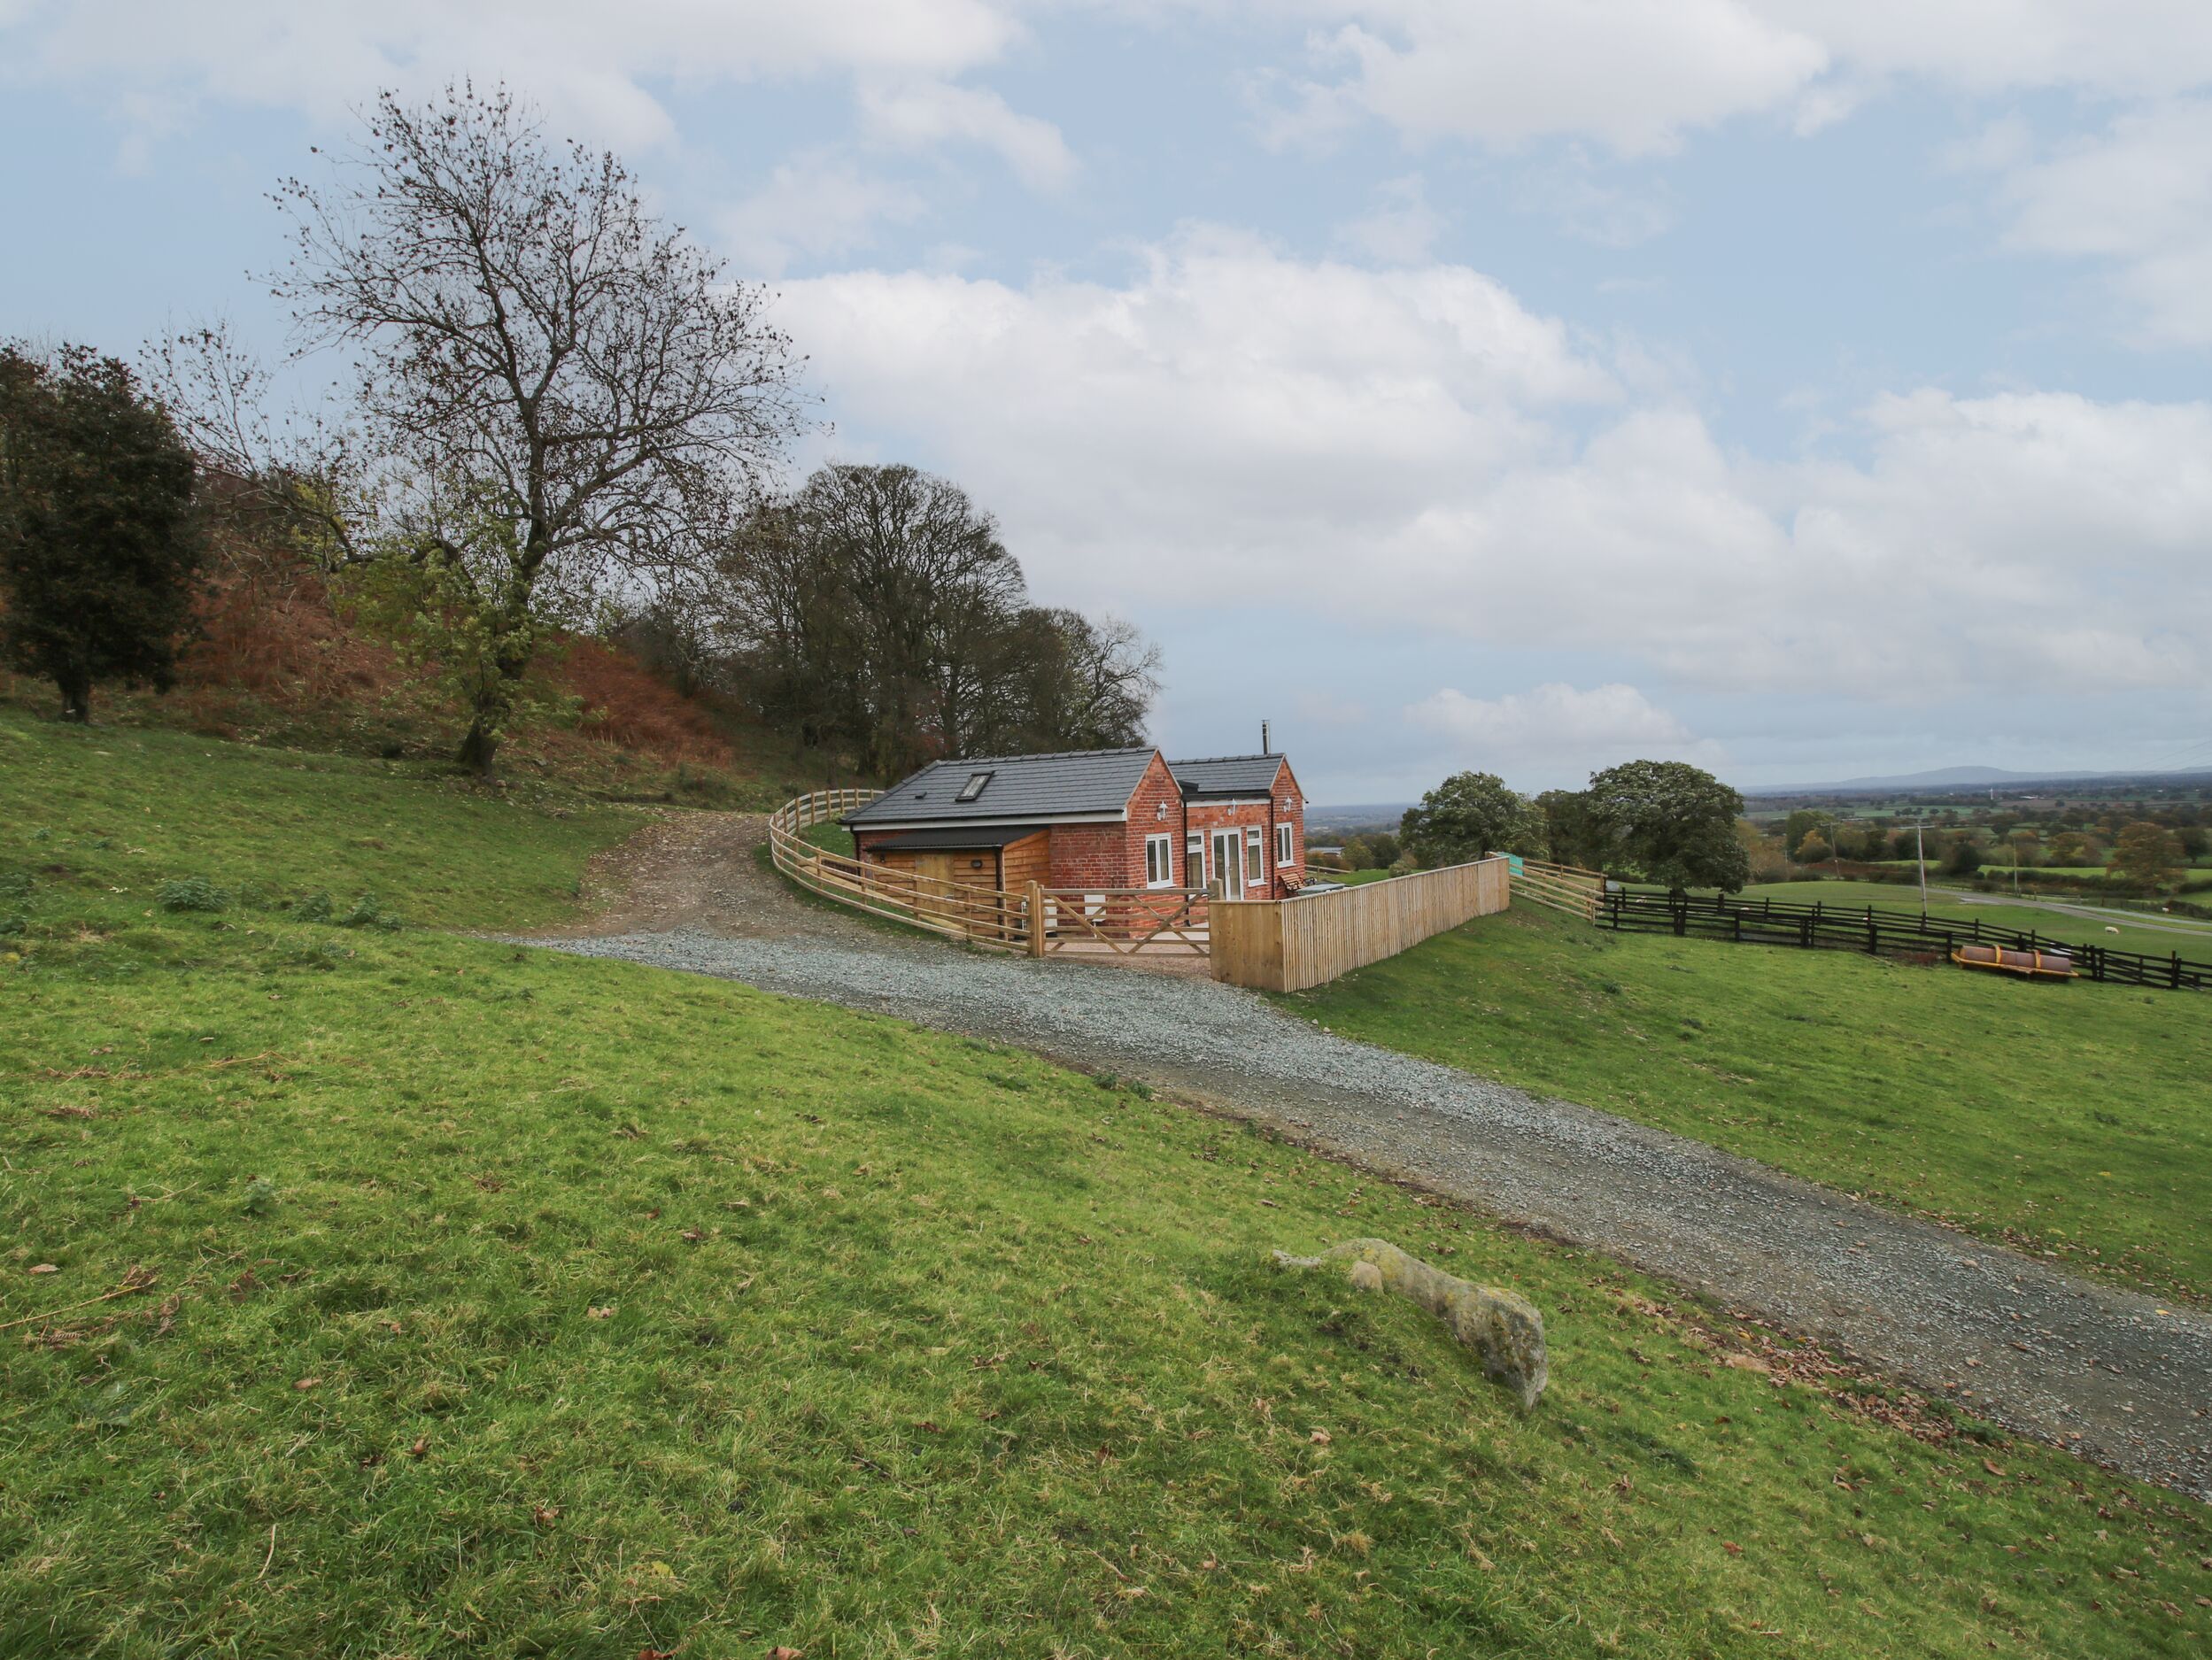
<point x="1294" y="816"/>
<point x="1208" y="817"/>
<point x="1094" y="856"/>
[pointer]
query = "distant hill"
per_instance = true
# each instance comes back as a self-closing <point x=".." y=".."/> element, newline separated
<point x="1955" y="778"/>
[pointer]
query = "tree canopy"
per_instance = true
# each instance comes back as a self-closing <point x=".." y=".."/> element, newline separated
<point x="1470" y="815"/>
<point x="877" y="608"/>
<point x="99" y="539"/>
<point x="2149" y="854"/>
<point x="1669" y="823"/>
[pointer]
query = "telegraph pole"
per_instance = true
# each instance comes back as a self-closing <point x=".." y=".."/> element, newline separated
<point x="1920" y="861"/>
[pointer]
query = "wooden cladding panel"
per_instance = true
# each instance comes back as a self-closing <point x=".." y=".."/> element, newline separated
<point x="1289" y="944"/>
<point x="1027" y="861"/>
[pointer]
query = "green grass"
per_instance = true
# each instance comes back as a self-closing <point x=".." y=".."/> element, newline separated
<point x="98" y="818"/>
<point x="511" y="1303"/>
<point x="1349" y="878"/>
<point x="2070" y="1119"/>
<point x="831" y="836"/>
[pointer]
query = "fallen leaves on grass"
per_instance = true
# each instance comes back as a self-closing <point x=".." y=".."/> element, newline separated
<point x="43" y="1268"/>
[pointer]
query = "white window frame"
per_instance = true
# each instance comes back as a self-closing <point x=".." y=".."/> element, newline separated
<point x="1166" y="842"/>
<point x="1195" y="860"/>
<point x="1255" y="867"/>
<point x="1285" y="857"/>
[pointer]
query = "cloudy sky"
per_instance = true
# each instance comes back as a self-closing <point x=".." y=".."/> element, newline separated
<point x="1802" y="387"/>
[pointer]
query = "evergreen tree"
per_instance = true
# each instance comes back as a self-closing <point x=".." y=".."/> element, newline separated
<point x="100" y="547"/>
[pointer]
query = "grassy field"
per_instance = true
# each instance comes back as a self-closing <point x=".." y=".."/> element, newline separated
<point x="2070" y="1119"/>
<point x="499" y="1303"/>
<point x="1349" y="878"/>
<point x="2026" y="918"/>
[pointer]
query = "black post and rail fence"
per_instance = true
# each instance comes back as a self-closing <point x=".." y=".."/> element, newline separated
<point x="1876" y="931"/>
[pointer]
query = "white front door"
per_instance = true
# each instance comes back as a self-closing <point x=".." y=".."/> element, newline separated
<point x="1226" y="878"/>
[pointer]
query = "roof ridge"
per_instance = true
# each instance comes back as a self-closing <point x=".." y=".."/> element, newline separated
<point x="1257" y="755"/>
<point x="1045" y="754"/>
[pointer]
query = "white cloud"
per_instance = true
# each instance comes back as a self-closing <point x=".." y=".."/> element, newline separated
<point x="927" y="113"/>
<point x="1637" y="75"/>
<point x="817" y="205"/>
<point x="1556" y="727"/>
<point x="2138" y="194"/>
<point x="2118" y="48"/>
<point x="1414" y="449"/>
<point x="586" y="61"/>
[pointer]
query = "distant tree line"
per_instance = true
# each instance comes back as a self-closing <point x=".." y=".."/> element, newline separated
<point x="2150" y="851"/>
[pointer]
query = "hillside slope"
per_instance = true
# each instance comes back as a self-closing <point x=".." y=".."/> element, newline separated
<point x="503" y="1302"/>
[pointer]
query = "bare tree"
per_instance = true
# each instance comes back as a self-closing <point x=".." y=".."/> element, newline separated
<point x="558" y="396"/>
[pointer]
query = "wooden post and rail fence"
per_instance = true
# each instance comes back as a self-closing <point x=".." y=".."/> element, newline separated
<point x="1034" y="920"/>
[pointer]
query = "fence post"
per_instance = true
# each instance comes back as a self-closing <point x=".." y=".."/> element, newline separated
<point x="2177" y="971"/>
<point x="1036" y="919"/>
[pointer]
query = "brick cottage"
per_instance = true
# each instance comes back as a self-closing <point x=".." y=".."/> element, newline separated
<point x="1093" y="820"/>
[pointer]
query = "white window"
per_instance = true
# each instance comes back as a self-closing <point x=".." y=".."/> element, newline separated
<point x="973" y="788"/>
<point x="1159" y="862"/>
<point x="1254" y="875"/>
<point x="1282" y="846"/>
<point x="1195" y="861"/>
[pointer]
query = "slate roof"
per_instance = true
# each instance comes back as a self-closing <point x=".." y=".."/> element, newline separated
<point x="1227" y="775"/>
<point x="1022" y="788"/>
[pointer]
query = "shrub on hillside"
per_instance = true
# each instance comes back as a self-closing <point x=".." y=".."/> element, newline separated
<point x="369" y="912"/>
<point x="190" y="894"/>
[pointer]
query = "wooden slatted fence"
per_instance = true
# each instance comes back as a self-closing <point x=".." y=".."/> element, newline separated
<point x="1310" y="938"/>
